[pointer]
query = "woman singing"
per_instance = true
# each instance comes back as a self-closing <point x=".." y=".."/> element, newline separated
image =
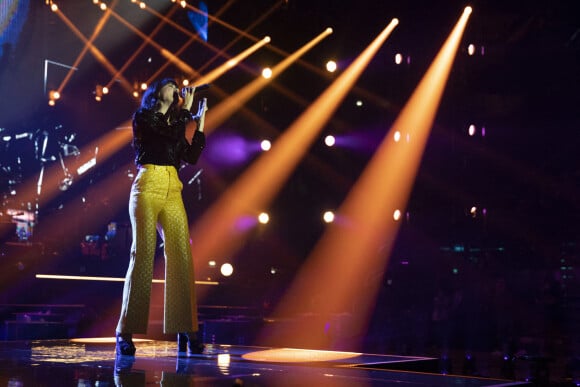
<point x="156" y="205"/>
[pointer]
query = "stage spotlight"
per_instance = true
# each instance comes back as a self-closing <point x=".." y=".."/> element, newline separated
<point x="212" y="263"/>
<point x="105" y="90"/>
<point x="398" y="58"/>
<point x="53" y="7"/>
<point x="397" y="136"/>
<point x="53" y="94"/>
<point x="263" y="218"/>
<point x="473" y="211"/>
<point x="468" y="10"/>
<point x="267" y="73"/>
<point x="143" y="86"/>
<point x="103" y="6"/>
<point x="142" y="5"/>
<point x="136" y="94"/>
<point x="359" y="103"/>
<point x="397" y="215"/>
<point x="471" y="49"/>
<point x="265" y="145"/>
<point x="329" y="140"/>
<point x="331" y="66"/>
<point x="227" y="269"/>
<point x="471" y="130"/>
<point x="51" y="102"/>
<point x="328" y="217"/>
<point x="183" y="4"/>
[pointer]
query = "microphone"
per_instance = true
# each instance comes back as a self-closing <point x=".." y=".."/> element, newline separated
<point x="202" y="87"/>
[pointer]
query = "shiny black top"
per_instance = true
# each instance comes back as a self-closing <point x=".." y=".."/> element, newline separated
<point x="161" y="143"/>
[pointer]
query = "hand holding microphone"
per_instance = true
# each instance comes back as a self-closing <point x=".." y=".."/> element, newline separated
<point x="187" y="93"/>
<point x="192" y="89"/>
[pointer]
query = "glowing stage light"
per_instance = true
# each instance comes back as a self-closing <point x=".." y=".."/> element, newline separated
<point x="105" y="90"/>
<point x="468" y="10"/>
<point x="331" y="66"/>
<point x="227" y="269"/>
<point x="328" y="217"/>
<point x="53" y="7"/>
<point x="263" y="218"/>
<point x="136" y="94"/>
<point x="51" y="102"/>
<point x="359" y="103"/>
<point x="267" y="73"/>
<point x="54" y="94"/>
<point x="471" y="49"/>
<point x="103" y="6"/>
<point x="329" y="140"/>
<point x="473" y="211"/>
<point x="398" y="58"/>
<point x="212" y="263"/>
<point x="471" y="130"/>
<point x="265" y="145"/>
<point x="397" y="136"/>
<point x="397" y="215"/>
<point x="142" y="5"/>
<point x="143" y="86"/>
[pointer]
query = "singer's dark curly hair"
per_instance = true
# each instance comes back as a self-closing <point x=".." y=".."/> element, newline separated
<point x="150" y="99"/>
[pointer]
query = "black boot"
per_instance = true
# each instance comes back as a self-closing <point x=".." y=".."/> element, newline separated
<point x="125" y="344"/>
<point x="188" y="344"/>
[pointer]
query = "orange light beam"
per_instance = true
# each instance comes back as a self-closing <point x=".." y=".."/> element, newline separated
<point x="142" y="46"/>
<point x="221" y="112"/>
<point x="223" y="51"/>
<point x="98" y="28"/>
<point x="343" y="270"/>
<point x="215" y="235"/>
<point x="94" y="50"/>
<point x="219" y="71"/>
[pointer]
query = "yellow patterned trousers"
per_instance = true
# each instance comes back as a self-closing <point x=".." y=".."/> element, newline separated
<point x="156" y="205"/>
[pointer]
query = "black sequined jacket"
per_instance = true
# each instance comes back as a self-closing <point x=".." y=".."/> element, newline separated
<point x="161" y="143"/>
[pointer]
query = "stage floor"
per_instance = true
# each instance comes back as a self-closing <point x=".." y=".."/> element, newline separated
<point x="92" y="362"/>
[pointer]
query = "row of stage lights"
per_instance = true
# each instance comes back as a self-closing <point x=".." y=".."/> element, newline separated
<point x="103" y="6"/>
<point x="331" y="65"/>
